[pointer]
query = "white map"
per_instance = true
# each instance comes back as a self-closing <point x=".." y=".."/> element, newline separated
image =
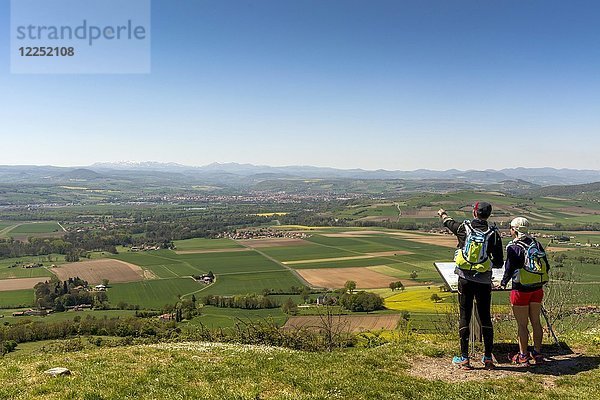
<point x="446" y="271"/>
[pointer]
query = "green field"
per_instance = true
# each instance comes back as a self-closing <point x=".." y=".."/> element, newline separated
<point x="153" y="294"/>
<point x="205" y="244"/>
<point x="236" y="262"/>
<point x="16" y="298"/>
<point x="248" y="283"/>
<point x="212" y="317"/>
<point x="309" y="252"/>
<point x="6" y="224"/>
<point x="35" y="227"/>
<point x="8" y="271"/>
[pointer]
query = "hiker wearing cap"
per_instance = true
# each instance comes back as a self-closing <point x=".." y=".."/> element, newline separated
<point x="479" y="250"/>
<point x="527" y="266"/>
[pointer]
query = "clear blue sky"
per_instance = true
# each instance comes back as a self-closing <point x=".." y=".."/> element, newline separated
<point x="368" y="84"/>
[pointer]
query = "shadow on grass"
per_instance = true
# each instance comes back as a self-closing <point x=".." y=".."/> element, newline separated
<point x="560" y="361"/>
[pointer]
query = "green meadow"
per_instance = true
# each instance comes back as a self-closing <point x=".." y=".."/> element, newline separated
<point x="205" y="244"/>
<point x="248" y="283"/>
<point x="7" y="270"/>
<point x="153" y="294"/>
<point x="36" y="227"/>
<point x="213" y="317"/>
<point x="16" y="299"/>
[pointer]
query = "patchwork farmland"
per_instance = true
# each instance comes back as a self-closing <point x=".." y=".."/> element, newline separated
<point x="326" y="258"/>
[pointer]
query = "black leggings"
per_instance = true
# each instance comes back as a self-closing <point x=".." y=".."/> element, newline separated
<point x="482" y="293"/>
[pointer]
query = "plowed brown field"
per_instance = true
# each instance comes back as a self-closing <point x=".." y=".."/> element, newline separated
<point x="335" y="278"/>
<point x="21" y="283"/>
<point x="95" y="271"/>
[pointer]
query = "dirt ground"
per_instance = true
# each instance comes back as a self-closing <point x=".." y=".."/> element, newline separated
<point x="557" y="364"/>
<point x="20" y="283"/>
<point x="228" y="250"/>
<point x="95" y="271"/>
<point x="347" y="323"/>
<point x="335" y="278"/>
<point x="275" y="242"/>
<point x="556" y="249"/>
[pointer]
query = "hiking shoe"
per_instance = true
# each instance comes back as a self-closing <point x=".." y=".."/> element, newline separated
<point x="522" y="360"/>
<point x="462" y="362"/>
<point x="488" y="363"/>
<point x="538" y="358"/>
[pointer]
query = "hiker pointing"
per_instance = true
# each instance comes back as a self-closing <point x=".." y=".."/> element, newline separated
<point x="527" y="266"/>
<point x="479" y="250"/>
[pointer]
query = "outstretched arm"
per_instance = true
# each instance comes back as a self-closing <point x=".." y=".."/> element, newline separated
<point x="448" y="222"/>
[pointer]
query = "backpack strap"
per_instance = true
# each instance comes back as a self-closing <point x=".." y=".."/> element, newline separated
<point x="467" y="224"/>
<point x="526" y="246"/>
<point x="520" y="244"/>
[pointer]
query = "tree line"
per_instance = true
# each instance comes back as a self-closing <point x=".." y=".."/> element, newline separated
<point x="247" y="302"/>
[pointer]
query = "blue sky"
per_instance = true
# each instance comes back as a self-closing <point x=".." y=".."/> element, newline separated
<point x="366" y="84"/>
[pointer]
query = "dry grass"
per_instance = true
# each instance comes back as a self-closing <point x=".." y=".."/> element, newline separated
<point x="347" y="323"/>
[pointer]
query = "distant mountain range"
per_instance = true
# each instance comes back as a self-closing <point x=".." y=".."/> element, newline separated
<point x="246" y="175"/>
<point x="537" y="176"/>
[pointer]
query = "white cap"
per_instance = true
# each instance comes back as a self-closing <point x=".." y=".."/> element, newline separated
<point x="520" y="224"/>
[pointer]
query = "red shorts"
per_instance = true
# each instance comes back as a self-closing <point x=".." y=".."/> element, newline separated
<point x="519" y="298"/>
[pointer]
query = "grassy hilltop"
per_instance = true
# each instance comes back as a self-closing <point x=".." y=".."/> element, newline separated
<point x="411" y="367"/>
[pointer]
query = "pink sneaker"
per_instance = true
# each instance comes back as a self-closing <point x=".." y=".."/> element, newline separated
<point x="522" y="360"/>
